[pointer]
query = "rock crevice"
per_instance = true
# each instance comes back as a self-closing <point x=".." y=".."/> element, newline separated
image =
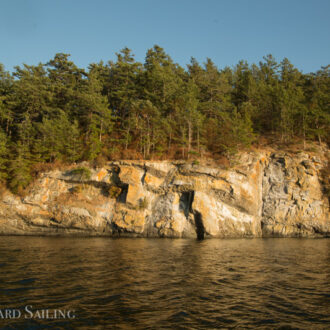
<point x="264" y="195"/>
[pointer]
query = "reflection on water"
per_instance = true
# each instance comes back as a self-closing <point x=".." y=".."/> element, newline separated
<point x="163" y="283"/>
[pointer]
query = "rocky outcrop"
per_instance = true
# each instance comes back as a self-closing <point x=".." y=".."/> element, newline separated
<point x="293" y="199"/>
<point x="264" y="194"/>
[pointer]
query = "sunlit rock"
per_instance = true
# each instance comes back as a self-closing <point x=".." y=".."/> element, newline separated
<point x="261" y="194"/>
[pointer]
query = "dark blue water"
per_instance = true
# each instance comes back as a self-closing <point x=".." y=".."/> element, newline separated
<point x="163" y="283"/>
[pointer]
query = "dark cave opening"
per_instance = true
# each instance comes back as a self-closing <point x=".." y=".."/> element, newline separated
<point x="200" y="230"/>
<point x="186" y="201"/>
<point x="123" y="194"/>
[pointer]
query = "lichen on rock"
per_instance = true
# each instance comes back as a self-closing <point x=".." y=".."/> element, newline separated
<point x="264" y="194"/>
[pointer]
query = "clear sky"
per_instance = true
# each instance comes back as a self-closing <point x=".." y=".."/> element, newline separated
<point x="33" y="31"/>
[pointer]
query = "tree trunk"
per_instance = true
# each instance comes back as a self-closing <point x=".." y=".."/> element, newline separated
<point x="198" y="143"/>
<point x="148" y="139"/>
<point x="189" y="137"/>
<point x="127" y="135"/>
<point x="100" y="136"/>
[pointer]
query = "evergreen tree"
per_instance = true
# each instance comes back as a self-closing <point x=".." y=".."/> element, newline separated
<point x="58" y="139"/>
<point x="267" y="102"/>
<point x="19" y="168"/>
<point x="317" y="91"/>
<point x="95" y="115"/>
<point x="58" y="111"/>
<point x="291" y="98"/>
<point x="3" y="155"/>
<point x="6" y="84"/>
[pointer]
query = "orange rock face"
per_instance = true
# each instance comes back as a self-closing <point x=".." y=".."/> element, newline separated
<point x="263" y="194"/>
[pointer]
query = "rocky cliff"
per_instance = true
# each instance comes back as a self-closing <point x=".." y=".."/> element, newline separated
<point x="264" y="194"/>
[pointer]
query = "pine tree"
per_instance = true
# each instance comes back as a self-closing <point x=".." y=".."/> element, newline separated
<point x="58" y="111"/>
<point x="291" y="98"/>
<point x="95" y="115"/>
<point x="3" y="155"/>
<point x="317" y="91"/>
<point x="267" y="101"/>
<point x="19" y="168"/>
<point x="122" y="90"/>
<point x="6" y="85"/>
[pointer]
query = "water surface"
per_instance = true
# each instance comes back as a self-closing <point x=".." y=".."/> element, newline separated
<point x="164" y="283"/>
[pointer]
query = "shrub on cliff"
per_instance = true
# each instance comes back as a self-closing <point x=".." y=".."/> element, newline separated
<point x="81" y="173"/>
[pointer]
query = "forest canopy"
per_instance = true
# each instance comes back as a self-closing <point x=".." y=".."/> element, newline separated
<point x="157" y="109"/>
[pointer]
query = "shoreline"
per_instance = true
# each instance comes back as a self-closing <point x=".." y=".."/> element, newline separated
<point x="264" y="194"/>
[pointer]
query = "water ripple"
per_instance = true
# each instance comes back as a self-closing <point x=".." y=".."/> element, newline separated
<point x="161" y="284"/>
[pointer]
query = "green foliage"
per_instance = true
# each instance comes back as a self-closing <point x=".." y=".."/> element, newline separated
<point x="81" y="173"/>
<point x="58" y="138"/>
<point x="19" y="169"/>
<point x="3" y="155"/>
<point x="60" y="112"/>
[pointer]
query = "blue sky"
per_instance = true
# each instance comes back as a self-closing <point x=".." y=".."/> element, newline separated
<point x="33" y="31"/>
